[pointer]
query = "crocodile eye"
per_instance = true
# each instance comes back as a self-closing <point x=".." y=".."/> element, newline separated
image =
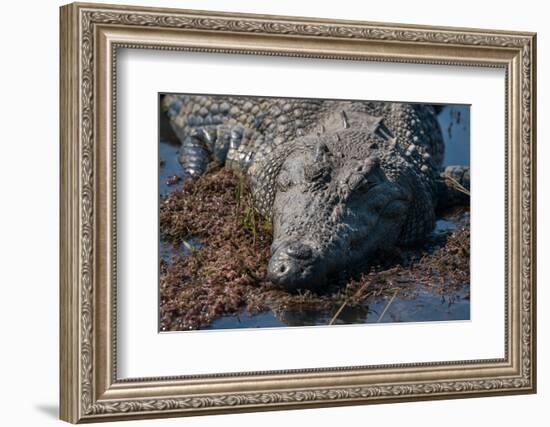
<point x="359" y="182"/>
<point x="283" y="182"/>
<point x="366" y="175"/>
<point x="316" y="172"/>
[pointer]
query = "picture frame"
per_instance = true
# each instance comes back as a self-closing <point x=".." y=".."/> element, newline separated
<point x="91" y="37"/>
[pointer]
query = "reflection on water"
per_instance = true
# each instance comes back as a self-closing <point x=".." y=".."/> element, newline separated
<point x="168" y="167"/>
<point x="425" y="305"/>
<point x="168" y="250"/>
<point x="246" y="320"/>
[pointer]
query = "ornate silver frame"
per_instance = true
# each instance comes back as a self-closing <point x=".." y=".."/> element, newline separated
<point x="90" y="36"/>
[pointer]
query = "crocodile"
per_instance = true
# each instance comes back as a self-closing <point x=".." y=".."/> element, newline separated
<point x="340" y="181"/>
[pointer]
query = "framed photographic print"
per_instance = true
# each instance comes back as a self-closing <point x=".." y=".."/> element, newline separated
<point x="266" y="212"/>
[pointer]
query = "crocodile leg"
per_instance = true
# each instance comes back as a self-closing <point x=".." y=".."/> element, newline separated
<point x="207" y="146"/>
<point x="194" y="154"/>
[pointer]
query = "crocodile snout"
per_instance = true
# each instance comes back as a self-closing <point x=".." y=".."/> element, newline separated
<point x="293" y="265"/>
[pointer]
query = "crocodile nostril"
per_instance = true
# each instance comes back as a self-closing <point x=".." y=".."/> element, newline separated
<point x="282" y="268"/>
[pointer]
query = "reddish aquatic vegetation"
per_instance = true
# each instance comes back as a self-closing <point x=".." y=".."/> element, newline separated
<point x="225" y="274"/>
<point x="220" y="276"/>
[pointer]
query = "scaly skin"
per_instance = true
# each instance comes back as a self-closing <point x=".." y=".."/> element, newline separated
<point x="340" y="180"/>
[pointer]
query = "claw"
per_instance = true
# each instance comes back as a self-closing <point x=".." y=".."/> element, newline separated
<point x="207" y="136"/>
<point x="193" y="155"/>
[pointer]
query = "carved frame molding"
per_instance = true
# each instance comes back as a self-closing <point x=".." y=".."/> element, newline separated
<point x="90" y="37"/>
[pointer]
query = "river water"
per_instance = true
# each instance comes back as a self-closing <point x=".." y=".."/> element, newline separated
<point x="427" y="304"/>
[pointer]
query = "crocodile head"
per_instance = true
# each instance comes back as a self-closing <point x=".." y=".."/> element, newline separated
<point x="331" y="209"/>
